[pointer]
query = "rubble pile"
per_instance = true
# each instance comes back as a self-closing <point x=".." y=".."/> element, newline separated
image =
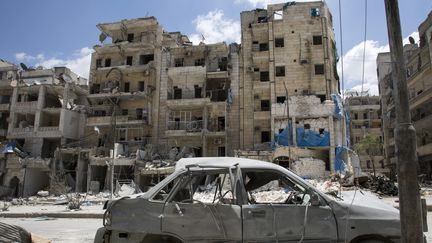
<point x="273" y="196"/>
<point x="383" y="186"/>
<point x="326" y="186"/>
<point x="309" y="168"/>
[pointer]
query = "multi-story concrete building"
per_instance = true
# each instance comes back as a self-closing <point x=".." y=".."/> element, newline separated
<point x="365" y="118"/>
<point x="153" y="91"/>
<point x="46" y="112"/>
<point x="418" y="59"/>
<point x="289" y="56"/>
<point x="8" y="74"/>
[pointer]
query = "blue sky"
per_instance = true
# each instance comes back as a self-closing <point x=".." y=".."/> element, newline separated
<point x="55" y="32"/>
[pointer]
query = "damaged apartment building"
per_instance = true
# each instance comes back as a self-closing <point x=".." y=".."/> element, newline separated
<point x="365" y="119"/>
<point x="46" y="112"/>
<point x="289" y="86"/>
<point x="418" y="59"/>
<point x="156" y="97"/>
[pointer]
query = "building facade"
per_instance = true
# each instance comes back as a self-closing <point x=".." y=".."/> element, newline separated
<point x="46" y="112"/>
<point x="365" y="119"/>
<point x="418" y="58"/>
<point x="287" y="79"/>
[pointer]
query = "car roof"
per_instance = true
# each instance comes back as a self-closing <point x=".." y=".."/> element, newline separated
<point x="225" y="162"/>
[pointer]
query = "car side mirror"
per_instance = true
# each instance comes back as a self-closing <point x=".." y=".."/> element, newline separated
<point x="315" y="199"/>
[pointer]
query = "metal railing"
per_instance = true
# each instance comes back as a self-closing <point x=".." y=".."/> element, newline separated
<point x="190" y="126"/>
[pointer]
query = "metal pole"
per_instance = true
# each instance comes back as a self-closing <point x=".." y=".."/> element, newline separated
<point x="405" y="136"/>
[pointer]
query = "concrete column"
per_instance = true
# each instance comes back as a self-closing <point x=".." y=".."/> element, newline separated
<point x="81" y="174"/>
<point x="66" y="96"/>
<point x="89" y="176"/>
<point x="12" y="116"/>
<point x="332" y="144"/>
<point x="40" y="105"/>
<point x="204" y="137"/>
<point x="294" y="131"/>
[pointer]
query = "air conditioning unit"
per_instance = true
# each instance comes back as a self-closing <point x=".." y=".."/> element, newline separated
<point x="217" y="141"/>
<point x="189" y="53"/>
<point x="257" y="96"/>
<point x="250" y="69"/>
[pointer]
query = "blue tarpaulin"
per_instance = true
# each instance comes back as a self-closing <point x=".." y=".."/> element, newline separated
<point x="340" y="165"/>
<point x="9" y="148"/>
<point x="339" y="112"/>
<point x="282" y="138"/>
<point x="310" y="138"/>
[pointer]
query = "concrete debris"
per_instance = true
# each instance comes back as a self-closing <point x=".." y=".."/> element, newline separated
<point x="382" y="185"/>
<point x="4" y="206"/>
<point x="274" y="196"/>
<point x="326" y="186"/>
<point x="43" y="193"/>
<point x="126" y="190"/>
<point x="309" y="168"/>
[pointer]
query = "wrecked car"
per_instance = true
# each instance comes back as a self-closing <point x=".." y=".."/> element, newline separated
<point x="243" y="200"/>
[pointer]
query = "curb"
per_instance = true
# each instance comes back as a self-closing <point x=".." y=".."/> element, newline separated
<point x="53" y="215"/>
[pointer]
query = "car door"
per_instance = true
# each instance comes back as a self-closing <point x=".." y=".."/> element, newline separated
<point x="277" y="208"/>
<point x="203" y="208"/>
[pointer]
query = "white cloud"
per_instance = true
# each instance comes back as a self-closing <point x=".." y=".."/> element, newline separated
<point x="264" y="3"/>
<point x="22" y="56"/>
<point x="353" y="61"/>
<point x="78" y="63"/>
<point x="215" y="27"/>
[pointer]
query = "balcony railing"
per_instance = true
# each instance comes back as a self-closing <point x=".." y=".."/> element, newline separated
<point x="190" y="126"/>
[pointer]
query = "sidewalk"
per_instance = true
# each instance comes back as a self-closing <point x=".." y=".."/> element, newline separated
<point x="394" y="201"/>
<point x="52" y="211"/>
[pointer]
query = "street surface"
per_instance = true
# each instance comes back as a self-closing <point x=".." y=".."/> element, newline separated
<point x="83" y="230"/>
<point x="59" y="229"/>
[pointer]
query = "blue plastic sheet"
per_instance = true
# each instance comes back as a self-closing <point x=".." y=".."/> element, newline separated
<point x="310" y="138"/>
<point x="340" y="165"/>
<point x="339" y="112"/>
<point x="9" y="148"/>
<point x="282" y="138"/>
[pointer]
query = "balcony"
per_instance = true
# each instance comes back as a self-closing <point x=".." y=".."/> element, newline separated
<point x="424" y="122"/>
<point x="120" y="120"/>
<point x="52" y="131"/>
<point x="424" y="150"/>
<point x="217" y="75"/>
<point x="4" y="107"/>
<point x="26" y="106"/>
<point x="364" y="107"/>
<point x="184" y="128"/>
<point x="421" y="98"/>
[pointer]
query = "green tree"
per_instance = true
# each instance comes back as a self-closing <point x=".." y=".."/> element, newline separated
<point x="370" y="146"/>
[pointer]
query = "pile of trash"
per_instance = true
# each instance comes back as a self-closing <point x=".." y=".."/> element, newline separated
<point x="382" y="185"/>
<point x="272" y="196"/>
<point x="326" y="186"/>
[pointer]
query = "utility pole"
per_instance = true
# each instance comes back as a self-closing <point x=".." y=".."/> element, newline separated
<point x="405" y="136"/>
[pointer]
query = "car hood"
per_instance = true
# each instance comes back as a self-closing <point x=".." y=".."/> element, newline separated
<point x="367" y="204"/>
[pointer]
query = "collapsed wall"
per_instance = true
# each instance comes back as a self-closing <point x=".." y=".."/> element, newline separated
<point x="309" y="168"/>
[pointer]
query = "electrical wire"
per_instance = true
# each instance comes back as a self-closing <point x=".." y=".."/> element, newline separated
<point x="364" y="48"/>
<point x="341" y="46"/>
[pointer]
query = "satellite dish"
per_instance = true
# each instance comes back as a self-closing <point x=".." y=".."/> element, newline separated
<point x="411" y="40"/>
<point x="102" y="37"/>
<point x="23" y="66"/>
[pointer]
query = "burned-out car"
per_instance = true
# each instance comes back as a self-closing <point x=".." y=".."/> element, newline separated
<point x="243" y="200"/>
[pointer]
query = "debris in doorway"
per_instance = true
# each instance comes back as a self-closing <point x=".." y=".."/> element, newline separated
<point x="43" y="193"/>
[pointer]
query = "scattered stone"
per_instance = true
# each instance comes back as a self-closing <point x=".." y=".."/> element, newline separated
<point x="43" y="193"/>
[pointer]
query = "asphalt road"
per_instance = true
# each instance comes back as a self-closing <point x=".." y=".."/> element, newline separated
<point x="83" y="230"/>
<point x="59" y="229"/>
